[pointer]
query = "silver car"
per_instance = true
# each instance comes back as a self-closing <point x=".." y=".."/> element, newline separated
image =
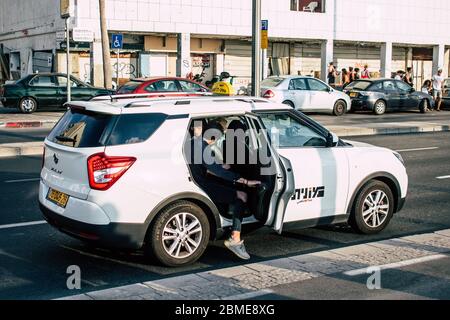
<point x="306" y="94"/>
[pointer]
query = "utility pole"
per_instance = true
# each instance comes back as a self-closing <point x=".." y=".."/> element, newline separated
<point x="68" y="60"/>
<point x="256" y="48"/>
<point x="107" y="73"/>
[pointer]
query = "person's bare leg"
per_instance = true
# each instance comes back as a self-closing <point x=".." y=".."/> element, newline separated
<point x="236" y="236"/>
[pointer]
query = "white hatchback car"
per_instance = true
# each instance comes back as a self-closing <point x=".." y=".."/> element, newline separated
<point x="115" y="174"/>
<point x="305" y="94"/>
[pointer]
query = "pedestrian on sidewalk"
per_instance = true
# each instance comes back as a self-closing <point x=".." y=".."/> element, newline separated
<point x="332" y="74"/>
<point x="345" y="78"/>
<point x="365" y="73"/>
<point x="357" y="75"/>
<point x="438" y="88"/>
<point x="408" y="77"/>
<point x="352" y="76"/>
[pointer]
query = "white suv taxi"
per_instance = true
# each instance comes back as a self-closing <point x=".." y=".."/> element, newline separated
<point x="115" y="173"/>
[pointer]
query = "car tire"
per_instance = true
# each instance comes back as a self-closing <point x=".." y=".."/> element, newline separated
<point x="175" y="252"/>
<point x="27" y="105"/>
<point x="289" y="103"/>
<point x="369" y="216"/>
<point x="339" y="108"/>
<point x="423" y="106"/>
<point x="379" y="107"/>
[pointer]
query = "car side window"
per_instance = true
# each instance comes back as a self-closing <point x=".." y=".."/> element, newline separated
<point x="62" y="82"/>
<point x="285" y="131"/>
<point x="43" y="81"/>
<point x="298" y="84"/>
<point x="403" y="86"/>
<point x="150" y="88"/>
<point x="165" y="86"/>
<point x="389" y="86"/>
<point x="187" y="86"/>
<point x="316" y="85"/>
<point x="377" y="87"/>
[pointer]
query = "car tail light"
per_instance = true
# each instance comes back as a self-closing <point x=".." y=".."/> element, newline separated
<point x="269" y="94"/>
<point x="104" y="171"/>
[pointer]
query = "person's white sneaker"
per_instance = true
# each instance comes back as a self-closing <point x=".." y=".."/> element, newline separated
<point x="238" y="248"/>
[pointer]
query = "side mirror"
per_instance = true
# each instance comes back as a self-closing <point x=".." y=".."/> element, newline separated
<point x="332" y="140"/>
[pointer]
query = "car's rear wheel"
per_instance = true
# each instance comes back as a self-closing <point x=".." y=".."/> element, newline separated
<point x="289" y="103"/>
<point x="339" y="108"/>
<point x="373" y="208"/>
<point x="179" y="235"/>
<point x="379" y="107"/>
<point x="28" y="105"/>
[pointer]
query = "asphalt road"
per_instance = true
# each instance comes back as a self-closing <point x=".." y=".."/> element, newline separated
<point x="34" y="259"/>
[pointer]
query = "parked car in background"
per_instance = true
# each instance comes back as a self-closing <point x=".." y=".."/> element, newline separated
<point x="446" y="95"/>
<point x="382" y="95"/>
<point x="305" y="94"/>
<point x="159" y="87"/>
<point x="38" y="91"/>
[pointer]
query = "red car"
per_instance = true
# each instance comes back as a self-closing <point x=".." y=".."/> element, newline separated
<point x="164" y="87"/>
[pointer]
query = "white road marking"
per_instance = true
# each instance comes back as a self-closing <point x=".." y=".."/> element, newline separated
<point x="24" y="224"/>
<point x="418" y="149"/>
<point x="443" y="177"/>
<point x="249" y="295"/>
<point x="23" y="180"/>
<point x="397" y="265"/>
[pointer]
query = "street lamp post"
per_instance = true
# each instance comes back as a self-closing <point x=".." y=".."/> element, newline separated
<point x="256" y="48"/>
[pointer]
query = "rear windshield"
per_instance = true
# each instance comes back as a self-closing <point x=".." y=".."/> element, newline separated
<point x="271" y="82"/>
<point x="129" y="87"/>
<point x="358" y="85"/>
<point x="85" y="129"/>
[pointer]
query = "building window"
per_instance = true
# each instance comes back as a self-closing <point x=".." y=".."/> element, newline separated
<point x="316" y="6"/>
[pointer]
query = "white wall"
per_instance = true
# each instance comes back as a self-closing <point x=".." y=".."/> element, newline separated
<point x="400" y="21"/>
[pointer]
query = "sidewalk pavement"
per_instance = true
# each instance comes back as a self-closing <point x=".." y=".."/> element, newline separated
<point x="255" y="279"/>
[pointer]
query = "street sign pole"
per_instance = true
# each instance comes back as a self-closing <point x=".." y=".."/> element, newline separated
<point x="117" y="69"/>
<point x="69" y="66"/>
<point x="256" y="48"/>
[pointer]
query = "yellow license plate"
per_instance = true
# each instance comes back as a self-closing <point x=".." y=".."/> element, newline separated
<point x="58" y="198"/>
<point x="353" y="94"/>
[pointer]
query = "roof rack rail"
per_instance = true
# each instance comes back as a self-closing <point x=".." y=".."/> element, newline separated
<point x="117" y="97"/>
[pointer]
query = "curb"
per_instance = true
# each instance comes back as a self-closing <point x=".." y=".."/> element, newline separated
<point x="21" y="149"/>
<point x="355" y="131"/>
<point x="28" y="124"/>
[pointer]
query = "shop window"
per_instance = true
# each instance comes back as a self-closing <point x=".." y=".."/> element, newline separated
<point x="316" y="6"/>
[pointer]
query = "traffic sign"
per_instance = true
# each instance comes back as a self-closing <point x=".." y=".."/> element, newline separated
<point x="264" y="34"/>
<point x="82" y="35"/>
<point x="117" y="41"/>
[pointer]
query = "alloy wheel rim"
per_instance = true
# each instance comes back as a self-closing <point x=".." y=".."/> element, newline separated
<point x="340" y="108"/>
<point x="380" y="107"/>
<point x="375" y="209"/>
<point x="28" y="104"/>
<point x="182" y="235"/>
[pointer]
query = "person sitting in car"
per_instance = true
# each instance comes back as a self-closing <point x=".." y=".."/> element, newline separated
<point x="221" y="185"/>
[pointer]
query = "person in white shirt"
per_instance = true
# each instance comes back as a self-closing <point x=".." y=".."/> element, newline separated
<point x="438" y="84"/>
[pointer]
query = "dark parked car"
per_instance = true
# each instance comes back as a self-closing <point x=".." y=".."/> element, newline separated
<point x="46" y="90"/>
<point x="382" y="95"/>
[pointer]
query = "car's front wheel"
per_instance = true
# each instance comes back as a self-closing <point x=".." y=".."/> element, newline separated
<point x="28" y="105"/>
<point x="379" y="108"/>
<point x="179" y="235"/>
<point x="339" y="108"/>
<point x="373" y="208"/>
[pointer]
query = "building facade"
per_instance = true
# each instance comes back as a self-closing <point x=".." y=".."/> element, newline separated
<point x="179" y="37"/>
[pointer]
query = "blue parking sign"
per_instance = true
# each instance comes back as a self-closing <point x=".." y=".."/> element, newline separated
<point x="117" y="41"/>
